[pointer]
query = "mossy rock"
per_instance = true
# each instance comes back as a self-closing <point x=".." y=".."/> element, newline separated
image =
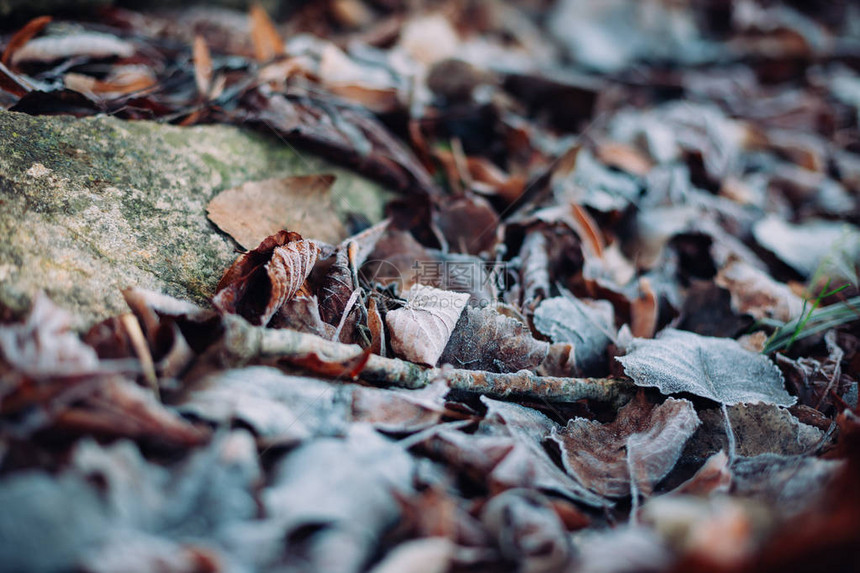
<point x="91" y="206"/>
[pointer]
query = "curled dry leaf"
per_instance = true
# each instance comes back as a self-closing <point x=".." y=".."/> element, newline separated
<point x="421" y="329"/>
<point x="258" y="209"/>
<point x="486" y="340"/>
<point x="716" y="368"/>
<point x="261" y="281"/>
<point x="637" y="450"/>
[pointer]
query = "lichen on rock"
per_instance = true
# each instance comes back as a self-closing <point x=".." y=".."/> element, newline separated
<point x="90" y="206"/>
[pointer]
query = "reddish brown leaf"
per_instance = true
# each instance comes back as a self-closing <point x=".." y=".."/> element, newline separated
<point x="261" y="281"/>
<point x="23" y="36"/>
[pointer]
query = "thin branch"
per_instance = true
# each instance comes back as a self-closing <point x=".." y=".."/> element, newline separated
<point x="243" y="343"/>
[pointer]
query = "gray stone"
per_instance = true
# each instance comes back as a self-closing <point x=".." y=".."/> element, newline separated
<point x="90" y="206"/>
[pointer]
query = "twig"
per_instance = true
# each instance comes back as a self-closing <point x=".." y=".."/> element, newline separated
<point x="243" y="343"/>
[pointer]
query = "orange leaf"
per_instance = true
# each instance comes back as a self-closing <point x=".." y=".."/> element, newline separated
<point x="202" y="66"/>
<point x="23" y="36"/>
<point x="268" y="43"/>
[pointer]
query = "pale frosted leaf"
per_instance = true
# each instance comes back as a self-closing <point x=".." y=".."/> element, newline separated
<point x="567" y="319"/>
<point x="643" y="439"/>
<point x="716" y="368"/>
<point x="804" y="247"/>
<point x="421" y="329"/>
<point x="487" y="340"/>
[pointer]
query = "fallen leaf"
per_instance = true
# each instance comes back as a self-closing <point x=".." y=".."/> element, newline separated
<point x="23" y="36"/>
<point x="94" y="45"/>
<point x="203" y="68"/>
<point x="258" y="209"/>
<point x="758" y="429"/>
<point x="568" y="319"/>
<point x="45" y="346"/>
<point x="716" y="368"/>
<point x="483" y="339"/>
<point x="633" y="453"/>
<point x="268" y="43"/>
<point x="399" y="410"/>
<point x="788" y="485"/>
<point x="263" y="280"/>
<point x="806" y="246"/>
<point x="338" y="285"/>
<point x="527" y="530"/>
<point x="755" y="293"/>
<point x="272" y="404"/>
<point x="421" y="329"/>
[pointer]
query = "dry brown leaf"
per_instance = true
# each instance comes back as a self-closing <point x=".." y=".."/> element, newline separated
<point x="338" y="285"/>
<point x="202" y="66"/>
<point x="643" y="311"/>
<point x="258" y="209"/>
<point x="485" y="340"/>
<point x="121" y="80"/>
<point x="469" y="224"/>
<point x="624" y="157"/>
<point x="755" y="293"/>
<point x="637" y="450"/>
<point x="268" y="43"/>
<point x="23" y="36"/>
<point x="421" y="329"/>
<point x="262" y="280"/>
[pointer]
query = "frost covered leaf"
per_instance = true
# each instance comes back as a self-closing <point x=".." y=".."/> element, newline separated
<point x="567" y="319"/>
<point x="487" y="340"/>
<point x="399" y="410"/>
<point x="758" y="429"/>
<point x="271" y="403"/>
<point x="45" y="346"/>
<point x="93" y="45"/>
<point x="528" y="530"/>
<point x="715" y="368"/>
<point x="258" y="209"/>
<point x="804" y="247"/>
<point x="262" y="280"/>
<point x="643" y="440"/>
<point x="421" y="329"/>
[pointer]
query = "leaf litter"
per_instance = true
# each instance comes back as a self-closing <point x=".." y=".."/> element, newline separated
<point x="609" y="325"/>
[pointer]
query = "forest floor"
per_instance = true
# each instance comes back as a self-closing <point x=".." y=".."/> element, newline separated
<point x="369" y="285"/>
